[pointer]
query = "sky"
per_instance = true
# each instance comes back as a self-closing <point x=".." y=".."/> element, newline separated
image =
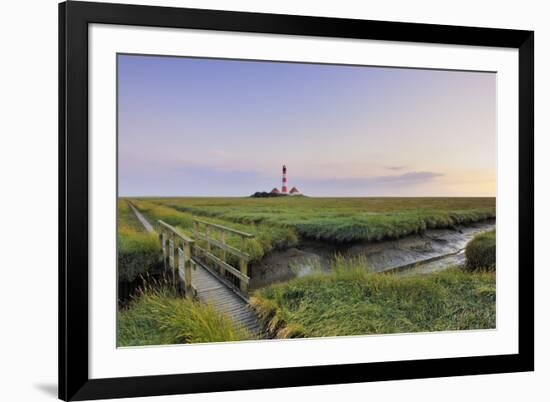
<point x="217" y="127"/>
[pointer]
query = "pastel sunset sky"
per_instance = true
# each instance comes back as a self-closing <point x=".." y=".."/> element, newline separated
<point x="213" y="127"/>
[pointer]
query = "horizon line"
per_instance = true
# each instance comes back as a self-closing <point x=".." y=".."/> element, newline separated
<point x="309" y="196"/>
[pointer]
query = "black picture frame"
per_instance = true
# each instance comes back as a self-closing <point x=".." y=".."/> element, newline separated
<point x="74" y="18"/>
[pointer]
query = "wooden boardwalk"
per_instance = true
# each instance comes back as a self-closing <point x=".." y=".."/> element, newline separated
<point x="212" y="290"/>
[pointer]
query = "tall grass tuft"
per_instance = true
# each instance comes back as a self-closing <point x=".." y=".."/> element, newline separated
<point x="481" y="252"/>
<point x="157" y="316"/>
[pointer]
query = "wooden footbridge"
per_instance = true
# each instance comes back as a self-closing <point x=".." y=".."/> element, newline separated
<point x="207" y="268"/>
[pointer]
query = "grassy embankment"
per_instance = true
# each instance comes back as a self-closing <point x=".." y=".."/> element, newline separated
<point x="352" y="301"/>
<point x="157" y="316"/>
<point x="279" y="222"/>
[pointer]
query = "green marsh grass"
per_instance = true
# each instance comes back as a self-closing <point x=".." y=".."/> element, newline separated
<point x="157" y="316"/>
<point x="353" y="301"/>
<point x="280" y="222"/>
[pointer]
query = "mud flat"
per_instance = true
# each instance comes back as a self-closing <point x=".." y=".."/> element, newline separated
<point x="431" y="251"/>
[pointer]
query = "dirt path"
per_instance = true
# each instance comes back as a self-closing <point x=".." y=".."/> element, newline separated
<point x="142" y="218"/>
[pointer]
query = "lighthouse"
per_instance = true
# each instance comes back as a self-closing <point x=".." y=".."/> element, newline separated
<point x="275" y="192"/>
<point x="283" y="188"/>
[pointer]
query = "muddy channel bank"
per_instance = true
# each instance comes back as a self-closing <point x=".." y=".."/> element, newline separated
<point x="431" y="251"/>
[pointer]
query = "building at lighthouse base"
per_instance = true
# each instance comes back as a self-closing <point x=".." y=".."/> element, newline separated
<point x="294" y="191"/>
<point x="279" y="193"/>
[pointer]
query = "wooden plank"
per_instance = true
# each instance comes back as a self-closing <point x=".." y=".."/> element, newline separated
<point x="251" y="322"/>
<point x="221" y="300"/>
<point x="232" y="315"/>
<point x="231" y="308"/>
<point x="224" y="247"/>
<point x="240" y="315"/>
<point x="221" y="227"/>
<point x="215" y="294"/>
<point x="224" y="307"/>
<point x="225" y="293"/>
<point x="220" y="286"/>
<point x="251" y="319"/>
<point x="201" y="276"/>
<point x="203" y="284"/>
<point x="244" y="310"/>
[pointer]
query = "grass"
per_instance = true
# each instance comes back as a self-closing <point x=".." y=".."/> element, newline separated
<point x="157" y="316"/>
<point x="267" y="237"/>
<point x="138" y="250"/>
<point x="481" y="252"/>
<point x="352" y="301"/>
<point x="280" y="222"/>
<point x="348" y="301"/>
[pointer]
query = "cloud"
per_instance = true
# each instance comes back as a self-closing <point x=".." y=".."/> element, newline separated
<point x="395" y="168"/>
<point x="409" y="177"/>
<point x="408" y="183"/>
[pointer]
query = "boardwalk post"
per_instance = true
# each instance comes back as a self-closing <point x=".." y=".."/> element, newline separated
<point x="163" y="244"/>
<point x="187" y="250"/>
<point x="222" y="239"/>
<point x="187" y="268"/>
<point x="172" y="262"/>
<point x="184" y="269"/>
<point x="208" y="247"/>
<point x="196" y="229"/>
<point x="179" y="251"/>
<point x="243" y="266"/>
<point x="188" y="279"/>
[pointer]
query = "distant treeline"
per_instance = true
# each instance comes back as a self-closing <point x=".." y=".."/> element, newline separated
<point x="265" y="194"/>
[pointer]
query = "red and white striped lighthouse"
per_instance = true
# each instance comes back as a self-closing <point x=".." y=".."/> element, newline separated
<point x="284" y="189"/>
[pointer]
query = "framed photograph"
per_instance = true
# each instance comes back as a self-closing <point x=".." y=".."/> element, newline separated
<point x="256" y="200"/>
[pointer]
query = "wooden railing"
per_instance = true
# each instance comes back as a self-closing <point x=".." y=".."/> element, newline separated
<point x="214" y="237"/>
<point x="177" y="252"/>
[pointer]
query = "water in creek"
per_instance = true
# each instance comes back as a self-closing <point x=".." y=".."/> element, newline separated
<point x="431" y="251"/>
